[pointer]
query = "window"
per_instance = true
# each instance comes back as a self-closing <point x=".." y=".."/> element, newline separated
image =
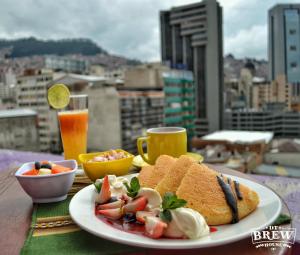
<point x="293" y="64"/>
<point x="293" y="48"/>
<point x="292" y="31"/>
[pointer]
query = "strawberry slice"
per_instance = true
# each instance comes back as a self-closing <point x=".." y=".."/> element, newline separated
<point x="113" y="205"/>
<point x="104" y="194"/>
<point x="113" y="214"/>
<point x="135" y="205"/>
<point x="154" y="227"/>
<point x="140" y="215"/>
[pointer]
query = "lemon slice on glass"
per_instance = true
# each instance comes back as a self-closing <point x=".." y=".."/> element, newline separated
<point x="58" y="96"/>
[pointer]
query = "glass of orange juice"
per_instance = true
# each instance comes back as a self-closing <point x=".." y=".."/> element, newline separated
<point x="73" y="122"/>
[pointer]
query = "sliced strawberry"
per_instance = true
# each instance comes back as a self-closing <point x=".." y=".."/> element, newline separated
<point x="135" y="205"/>
<point x="104" y="194"/>
<point x="140" y="215"/>
<point x="125" y="198"/>
<point x="154" y="227"/>
<point x="113" y="205"/>
<point x="113" y="214"/>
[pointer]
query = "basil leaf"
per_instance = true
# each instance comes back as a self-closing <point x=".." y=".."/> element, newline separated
<point x="177" y="204"/>
<point x="170" y="201"/>
<point x="282" y="219"/>
<point x="134" y="187"/>
<point x="166" y="215"/>
<point x="98" y="186"/>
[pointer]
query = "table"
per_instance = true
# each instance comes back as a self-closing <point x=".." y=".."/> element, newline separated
<point x="16" y="209"/>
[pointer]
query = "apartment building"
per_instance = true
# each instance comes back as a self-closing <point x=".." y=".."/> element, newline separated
<point x="192" y="37"/>
<point x="32" y="93"/>
<point x="277" y="91"/>
<point x="66" y="64"/>
<point x="19" y="130"/>
<point x="284" y="124"/>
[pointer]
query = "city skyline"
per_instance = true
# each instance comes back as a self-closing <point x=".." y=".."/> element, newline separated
<point x="131" y="29"/>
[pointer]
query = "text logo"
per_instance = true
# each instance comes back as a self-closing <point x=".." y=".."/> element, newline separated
<point x="274" y="237"/>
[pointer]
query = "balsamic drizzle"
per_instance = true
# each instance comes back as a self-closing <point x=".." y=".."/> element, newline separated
<point x="230" y="199"/>
<point x="229" y="181"/>
<point x="237" y="190"/>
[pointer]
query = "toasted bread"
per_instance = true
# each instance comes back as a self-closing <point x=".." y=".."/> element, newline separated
<point x="172" y="179"/>
<point x="150" y="176"/>
<point x="203" y="193"/>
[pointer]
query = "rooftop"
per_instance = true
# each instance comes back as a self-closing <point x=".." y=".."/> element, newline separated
<point x="17" y="113"/>
<point x="245" y="137"/>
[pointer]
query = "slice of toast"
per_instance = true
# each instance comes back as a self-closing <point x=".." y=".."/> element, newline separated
<point x="150" y="176"/>
<point x="171" y="181"/>
<point x="203" y="193"/>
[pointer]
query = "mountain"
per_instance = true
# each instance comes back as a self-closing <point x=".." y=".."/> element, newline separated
<point x="233" y="66"/>
<point x="31" y="46"/>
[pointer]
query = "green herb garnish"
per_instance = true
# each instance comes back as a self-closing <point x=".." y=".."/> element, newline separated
<point x="170" y="201"/>
<point x="282" y="219"/>
<point x="134" y="187"/>
<point x="98" y="186"/>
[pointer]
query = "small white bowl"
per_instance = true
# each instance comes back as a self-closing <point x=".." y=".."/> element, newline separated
<point x="47" y="188"/>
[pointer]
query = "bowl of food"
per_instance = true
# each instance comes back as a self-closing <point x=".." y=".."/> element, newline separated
<point x="47" y="181"/>
<point x="97" y="165"/>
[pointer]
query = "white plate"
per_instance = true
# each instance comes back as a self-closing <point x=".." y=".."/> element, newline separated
<point x="82" y="212"/>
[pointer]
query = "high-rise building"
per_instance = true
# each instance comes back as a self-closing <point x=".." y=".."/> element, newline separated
<point x="32" y="94"/>
<point x="284" y="124"/>
<point x="284" y="43"/>
<point x="192" y="38"/>
<point x="19" y="130"/>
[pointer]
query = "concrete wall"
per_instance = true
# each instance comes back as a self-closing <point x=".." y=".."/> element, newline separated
<point x="19" y="133"/>
<point x="104" y="131"/>
<point x="287" y="159"/>
<point x="145" y="76"/>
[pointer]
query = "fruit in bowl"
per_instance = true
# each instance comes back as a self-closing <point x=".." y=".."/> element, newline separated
<point x="47" y="182"/>
<point x="97" y="165"/>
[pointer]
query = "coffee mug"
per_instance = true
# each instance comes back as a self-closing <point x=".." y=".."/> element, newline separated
<point x="163" y="141"/>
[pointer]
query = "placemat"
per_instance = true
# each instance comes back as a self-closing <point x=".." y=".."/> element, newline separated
<point x="52" y="231"/>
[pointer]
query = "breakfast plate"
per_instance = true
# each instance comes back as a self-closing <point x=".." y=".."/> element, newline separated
<point x="82" y="211"/>
<point x="139" y="162"/>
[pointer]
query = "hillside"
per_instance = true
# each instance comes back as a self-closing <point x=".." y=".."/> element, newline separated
<point x="233" y="66"/>
<point x="31" y="46"/>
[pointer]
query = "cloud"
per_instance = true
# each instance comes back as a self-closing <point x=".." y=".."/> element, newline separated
<point x="248" y="42"/>
<point x="131" y="27"/>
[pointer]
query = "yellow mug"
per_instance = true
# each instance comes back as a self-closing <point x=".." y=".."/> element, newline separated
<point x="163" y="141"/>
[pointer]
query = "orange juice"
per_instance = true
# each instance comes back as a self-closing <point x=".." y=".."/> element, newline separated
<point x="73" y="128"/>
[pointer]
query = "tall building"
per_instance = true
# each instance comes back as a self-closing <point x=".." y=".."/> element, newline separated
<point x="283" y="124"/>
<point x="284" y="43"/>
<point x="192" y="37"/>
<point x="19" y="130"/>
<point x="66" y="64"/>
<point x="277" y="92"/>
<point x="179" y="90"/>
<point x="32" y="94"/>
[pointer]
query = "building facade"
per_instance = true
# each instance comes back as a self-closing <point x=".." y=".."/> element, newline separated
<point x="192" y="37"/>
<point x="66" y="64"/>
<point x="19" y="130"/>
<point x="284" y="42"/>
<point x="278" y="91"/>
<point x="32" y="93"/>
<point x="284" y="124"/>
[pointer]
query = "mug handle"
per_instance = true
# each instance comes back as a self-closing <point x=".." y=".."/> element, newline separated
<point x="140" y="142"/>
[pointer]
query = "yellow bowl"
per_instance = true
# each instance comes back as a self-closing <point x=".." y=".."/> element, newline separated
<point x="96" y="170"/>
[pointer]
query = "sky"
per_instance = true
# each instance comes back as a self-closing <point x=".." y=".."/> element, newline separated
<point x="131" y="27"/>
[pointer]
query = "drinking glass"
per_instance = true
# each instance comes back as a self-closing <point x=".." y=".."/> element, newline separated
<point x="73" y="122"/>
